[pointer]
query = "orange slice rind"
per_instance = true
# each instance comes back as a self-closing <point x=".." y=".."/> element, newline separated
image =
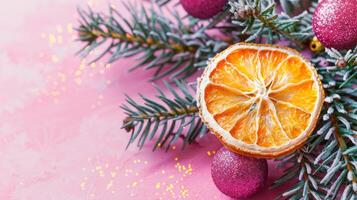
<point x="260" y="100"/>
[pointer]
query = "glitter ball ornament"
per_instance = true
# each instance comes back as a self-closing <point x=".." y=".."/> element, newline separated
<point x="238" y="176"/>
<point x="203" y="9"/>
<point x="335" y="25"/>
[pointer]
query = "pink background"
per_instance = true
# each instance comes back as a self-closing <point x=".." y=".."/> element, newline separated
<point x="60" y="136"/>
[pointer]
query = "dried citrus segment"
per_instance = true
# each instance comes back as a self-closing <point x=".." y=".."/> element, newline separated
<point x="226" y="74"/>
<point x="270" y="131"/>
<point x="220" y="98"/>
<point x="246" y="127"/>
<point x="291" y="70"/>
<point x="293" y="120"/>
<point x="241" y="59"/>
<point x="269" y="61"/>
<point x="302" y="95"/>
<point x="260" y="100"/>
<point x="229" y="118"/>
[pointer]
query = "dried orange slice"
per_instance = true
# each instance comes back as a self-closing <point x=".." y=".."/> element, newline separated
<point x="260" y="100"/>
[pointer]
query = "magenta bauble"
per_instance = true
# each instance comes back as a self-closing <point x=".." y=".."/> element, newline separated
<point x="238" y="176"/>
<point x="203" y="9"/>
<point x="335" y="23"/>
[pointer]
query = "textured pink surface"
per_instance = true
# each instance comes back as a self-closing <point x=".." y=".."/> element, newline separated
<point x="60" y="136"/>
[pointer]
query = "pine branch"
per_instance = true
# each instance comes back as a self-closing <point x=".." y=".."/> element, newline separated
<point x="170" y="47"/>
<point x="261" y="22"/>
<point x="170" y="118"/>
<point x="300" y="165"/>
<point x="337" y="159"/>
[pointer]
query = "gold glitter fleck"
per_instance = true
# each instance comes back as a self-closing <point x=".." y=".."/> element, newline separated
<point x="83" y="184"/>
<point x="62" y="76"/>
<point x="176" y="158"/>
<point x="78" y="73"/>
<point x="134" y="184"/>
<point x="55" y="93"/>
<point x="51" y="39"/>
<point x="59" y="29"/>
<point x="59" y="39"/>
<point x="69" y="28"/>
<point x="110" y="184"/>
<point x="54" y="58"/>
<point x="157" y="186"/>
<point x="78" y="81"/>
<point x="183" y="192"/>
<point x="113" y="174"/>
<point x="171" y="177"/>
<point x="93" y="65"/>
<point x="82" y="66"/>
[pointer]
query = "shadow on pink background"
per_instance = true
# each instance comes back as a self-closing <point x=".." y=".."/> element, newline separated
<point x="60" y="136"/>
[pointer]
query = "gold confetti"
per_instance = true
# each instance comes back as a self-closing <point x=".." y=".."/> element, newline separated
<point x="59" y="39"/>
<point x="78" y="81"/>
<point x="113" y="174"/>
<point x="78" y="73"/>
<point x="69" y="28"/>
<point x="83" y="184"/>
<point x="109" y="185"/>
<point x="61" y="76"/>
<point x="52" y="39"/>
<point x="54" y="58"/>
<point x="59" y="29"/>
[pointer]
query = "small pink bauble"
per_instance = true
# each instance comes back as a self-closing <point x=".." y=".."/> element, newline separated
<point x="203" y="9"/>
<point x="335" y="23"/>
<point x="238" y="176"/>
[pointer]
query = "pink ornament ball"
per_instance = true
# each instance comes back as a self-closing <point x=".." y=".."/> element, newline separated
<point x="203" y="9"/>
<point x="238" y="176"/>
<point x="335" y="23"/>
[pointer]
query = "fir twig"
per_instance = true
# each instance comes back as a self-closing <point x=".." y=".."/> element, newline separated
<point x="175" y="47"/>
<point x="169" y="118"/>
<point x="261" y="21"/>
<point x="337" y="158"/>
<point x="300" y="168"/>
